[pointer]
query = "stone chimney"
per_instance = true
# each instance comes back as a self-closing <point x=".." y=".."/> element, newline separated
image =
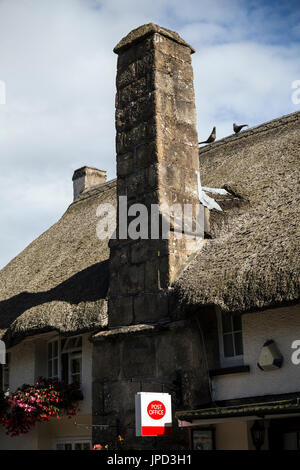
<point x="85" y="178"/>
<point x="157" y="163"/>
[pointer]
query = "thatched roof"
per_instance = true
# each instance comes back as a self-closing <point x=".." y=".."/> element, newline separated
<point x="60" y="281"/>
<point x="252" y="261"/>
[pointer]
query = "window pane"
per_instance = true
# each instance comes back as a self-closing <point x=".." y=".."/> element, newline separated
<point x="226" y="323"/>
<point x="72" y="343"/>
<point x="55" y="348"/>
<point x="238" y="343"/>
<point x="68" y="446"/>
<point x="228" y="345"/>
<point x="77" y="446"/>
<point x="237" y="323"/>
<point x="75" y="365"/>
<point x="86" y="446"/>
<point x="76" y="379"/>
<point x="49" y="368"/>
<point x="65" y="367"/>
<point x="55" y="368"/>
<point x="49" y="350"/>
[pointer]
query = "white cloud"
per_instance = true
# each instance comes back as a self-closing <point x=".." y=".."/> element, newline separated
<point x="59" y="69"/>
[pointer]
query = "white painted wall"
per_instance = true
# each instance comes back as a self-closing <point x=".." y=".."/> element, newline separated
<point x="22" y="364"/>
<point x="283" y="326"/>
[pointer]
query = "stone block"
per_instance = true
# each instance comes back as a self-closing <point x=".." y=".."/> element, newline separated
<point x="145" y="64"/>
<point x="150" y="307"/>
<point x="113" y="281"/>
<point x="135" y="112"/>
<point x="177" y="69"/>
<point x="134" y="277"/>
<point x="179" y="154"/>
<point x="132" y="92"/>
<point x="145" y="155"/>
<point x="121" y="186"/>
<point x="132" y="54"/>
<point x="106" y="360"/>
<point x="185" y="111"/>
<point x="152" y="175"/>
<point x="120" y="310"/>
<point x="125" y="164"/>
<point x="142" y="133"/>
<point x="165" y="104"/>
<point x="152" y="283"/>
<point x="164" y="274"/>
<point x="139" y="251"/>
<point x="138" y="357"/>
<point x="172" y="48"/>
<point x="126" y="76"/>
<point x="136" y="183"/>
<point x="171" y="176"/>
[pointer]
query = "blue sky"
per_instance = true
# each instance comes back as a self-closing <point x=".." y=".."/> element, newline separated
<point x="59" y="69"/>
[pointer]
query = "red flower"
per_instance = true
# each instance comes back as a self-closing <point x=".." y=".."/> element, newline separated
<point x="97" y="447"/>
<point x="18" y="415"/>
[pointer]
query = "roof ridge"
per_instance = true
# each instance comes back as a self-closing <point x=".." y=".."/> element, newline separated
<point x="286" y="118"/>
<point x="95" y="190"/>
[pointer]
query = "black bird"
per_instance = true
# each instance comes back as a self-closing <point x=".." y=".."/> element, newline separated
<point x="238" y="128"/>
<point x="211" y="138"/>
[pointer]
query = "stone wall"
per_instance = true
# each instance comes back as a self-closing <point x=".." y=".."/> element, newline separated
<point x="147" y="347"/>
<point x="157" y="163"/>
<point x="127" y="361"/>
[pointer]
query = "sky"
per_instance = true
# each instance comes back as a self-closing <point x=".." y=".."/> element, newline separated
<point x="58" y="66"/>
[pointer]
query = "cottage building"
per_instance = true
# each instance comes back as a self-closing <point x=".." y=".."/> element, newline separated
<point x="167" y="314"/>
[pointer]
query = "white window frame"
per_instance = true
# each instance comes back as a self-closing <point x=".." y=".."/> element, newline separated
<point x="73" y="441"/>
<point x="58" y="357"/>
<point x="227" y="361"/>
<point x="76" y="355"/>
<point x="77" y="348"/>
<point x="71" y="350"/>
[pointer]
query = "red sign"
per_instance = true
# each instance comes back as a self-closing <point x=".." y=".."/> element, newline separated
<point x="156" y="409"/>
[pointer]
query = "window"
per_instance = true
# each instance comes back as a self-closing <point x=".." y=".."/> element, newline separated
<point x="53" y="360"/>
<point x="75" y="368"/>
<point x="232" y="335"/>
<point x="71" y="359"/>
<point x="65" y="359"/>
<point x="203" y="439"/>
<point x="230" y="339"/>
<point x="73" y="444"/>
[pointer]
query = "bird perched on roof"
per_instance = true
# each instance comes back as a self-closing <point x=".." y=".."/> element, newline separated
<point x="238" y="128"/>
<point x="211" y="138"/>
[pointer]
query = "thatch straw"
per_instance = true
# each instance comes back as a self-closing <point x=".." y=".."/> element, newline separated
<point x="252" y="261"/>
<point x="60" y="281"/>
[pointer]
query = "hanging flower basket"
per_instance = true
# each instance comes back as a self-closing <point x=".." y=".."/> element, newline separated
<point x="47" y="399"/>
